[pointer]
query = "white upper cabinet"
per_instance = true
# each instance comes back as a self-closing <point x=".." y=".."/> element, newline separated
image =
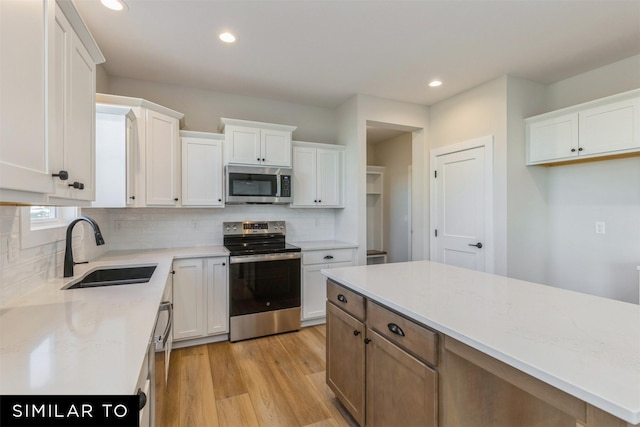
<point x="116" y="154"/>
<point x="163" y="160"/>
<point x="202" y="169"/>
<point x="256" y="143"/>
<point x="153" y="164"/>
<point x="318" y="171"/>
<point x="604" y="127"/>
<point x="47" y="87"/>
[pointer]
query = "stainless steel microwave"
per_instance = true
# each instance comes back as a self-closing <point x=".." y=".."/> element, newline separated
<point x="257" y="184"/>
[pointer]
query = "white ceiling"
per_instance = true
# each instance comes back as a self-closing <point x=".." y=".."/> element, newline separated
<point x="323" y="52"/>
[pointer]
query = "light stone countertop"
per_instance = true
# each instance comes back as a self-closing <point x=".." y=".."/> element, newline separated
<point x="85" y="341"/>
<point x="584" y="345"/>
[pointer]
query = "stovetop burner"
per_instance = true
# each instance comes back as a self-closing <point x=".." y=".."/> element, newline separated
<point x="252" y="238"/>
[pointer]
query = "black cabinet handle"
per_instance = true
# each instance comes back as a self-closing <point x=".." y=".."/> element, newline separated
<point x="258" y="159"/>
<point x="175" y="200"/>
<point x="77" y="185"/>
<point x="395" y="329"/>
<point x="477" y="245"/>
<point x="132" y="197"/>
<point x="580" y="149"/>
<point x="328" y="257"/>
<point x="367" y="340"/>
<point x="263" y="160"/>
<point x="342" y="298"/>
<point x="319" y="201"/>
<point x="63" y="175"/>
<point x="356" y="332"/>
<point x="219" y="200"/>
<point x="173" y="272"/>
<point x="224" y="263"/>
<point x="573" y="150"/>
<point x="143" y="399"/>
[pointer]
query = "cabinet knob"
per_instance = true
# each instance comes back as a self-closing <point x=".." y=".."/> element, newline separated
<point x="573" y="150"/>
<point x="63" y="175"/>
<point x="342" y="298"/>
<point x="132" y="197"/>
<point x="219" y="200"/>
<point x="367" y="340"/>
<point x="315" y="201"/>
<point x="580" y="149"/>
<point x="173" y="272"/>
<point x="175" y="200"/>
<point x="356" y="332"/>
<point x="319" y="201"/>
<point x="224" y="263"/>
<point x="143" y="399"/>
<point x="258" y="159"/>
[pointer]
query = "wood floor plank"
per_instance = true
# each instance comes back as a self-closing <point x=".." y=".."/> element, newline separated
<point x="269" y="403"/>
<point x="197" y="401"/>
<point x="285" y="370"/>
<point x="265" y="382"/>
<point x="323" y="393"/>
<point x="225" y="372"/>
<point x="306" y="352"/>
<point x="237" y="411"/>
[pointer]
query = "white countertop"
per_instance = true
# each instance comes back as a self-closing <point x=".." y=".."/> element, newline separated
<point x="318" y="245"/>
<point x="584" y="345"/>
<point x="85" y="341"/>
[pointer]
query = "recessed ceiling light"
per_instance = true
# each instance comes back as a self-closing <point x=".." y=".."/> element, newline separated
<point x="435" y="83"/>
<point x="227" y="37"/>
<point x="118" y="5"/>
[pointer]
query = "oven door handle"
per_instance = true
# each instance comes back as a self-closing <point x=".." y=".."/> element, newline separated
<point x="263" y="257"/>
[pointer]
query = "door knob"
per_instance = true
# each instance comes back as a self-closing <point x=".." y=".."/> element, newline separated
<point x="477" y="245"/>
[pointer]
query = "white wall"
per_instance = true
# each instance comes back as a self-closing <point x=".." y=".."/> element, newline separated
<point x="579" y="259"/>
<point x="527" y="187"/>
<point x="202" y="109"/>
<point x="479" y="112"/>
<point x="395" y="156"/>
<point x="353" y="118"/>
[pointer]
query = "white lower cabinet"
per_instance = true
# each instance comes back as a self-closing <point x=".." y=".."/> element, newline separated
<point x="314" y="287"/>
<point x="200" y="297"/>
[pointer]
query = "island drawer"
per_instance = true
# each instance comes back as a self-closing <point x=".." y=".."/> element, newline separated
<point x="416" y="339"/>
<point x="347" y="300"/>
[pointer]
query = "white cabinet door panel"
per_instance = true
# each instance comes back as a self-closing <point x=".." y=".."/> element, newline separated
<point x="304" y="176"/>
<point x="188" y="299"/>
<point x="162" y="160"/>
<point x="553" y="139"/>
<point x="217" y="296"/>
<point x="610" y="128"/>
<point x="24" y="144"/>
<point x="243" y="145"/>
<point x="275" y="147"/>
<point x="201" y="172"/>
<point x="329" y="177"/>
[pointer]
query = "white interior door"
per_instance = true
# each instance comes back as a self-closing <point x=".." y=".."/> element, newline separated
<point x="462" y="205"/>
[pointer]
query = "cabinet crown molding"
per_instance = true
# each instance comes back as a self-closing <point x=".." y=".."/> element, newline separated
<point x="237" y="122"/>
<point x="104" y="98"/>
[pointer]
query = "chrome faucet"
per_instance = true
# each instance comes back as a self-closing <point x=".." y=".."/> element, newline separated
<point x="68" y="252"/>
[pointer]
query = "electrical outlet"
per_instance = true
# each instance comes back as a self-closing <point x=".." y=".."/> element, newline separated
<point x="600" y="227"/>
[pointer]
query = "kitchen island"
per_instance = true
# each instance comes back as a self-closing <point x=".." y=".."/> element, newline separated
<point x="507" y="345"/>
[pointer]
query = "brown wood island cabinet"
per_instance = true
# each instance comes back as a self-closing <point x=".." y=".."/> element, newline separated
<point x="380" y="365"/>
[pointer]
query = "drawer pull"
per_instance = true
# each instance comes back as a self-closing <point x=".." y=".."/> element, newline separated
<point x="142" y="399"/>
<point x="328" y="257"/>
<point x="395" y="329"/>
<point x="342" y="298"/>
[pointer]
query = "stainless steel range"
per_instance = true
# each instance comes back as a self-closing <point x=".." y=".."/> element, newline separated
<point x="264" y="279"/>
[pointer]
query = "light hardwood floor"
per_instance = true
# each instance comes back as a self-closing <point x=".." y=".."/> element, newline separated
<point x="274" y="381"/>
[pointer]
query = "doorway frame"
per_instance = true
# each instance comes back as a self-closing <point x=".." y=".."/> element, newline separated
<point x="487" y="142"/>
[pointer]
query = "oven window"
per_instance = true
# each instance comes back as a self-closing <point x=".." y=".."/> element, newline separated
<point x="242" y="184"/>
<point x="264" y="286"/>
